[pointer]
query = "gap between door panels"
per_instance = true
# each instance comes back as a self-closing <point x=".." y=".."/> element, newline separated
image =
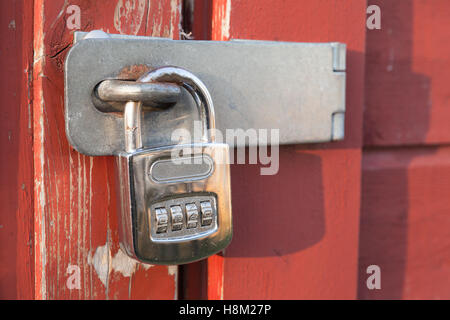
<point x="202" y="279"/>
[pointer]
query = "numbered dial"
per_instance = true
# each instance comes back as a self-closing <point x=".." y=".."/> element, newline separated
<point x="183" y="218"/>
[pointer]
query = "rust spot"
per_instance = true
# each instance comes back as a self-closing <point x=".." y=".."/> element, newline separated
<point x="133" y="72"/>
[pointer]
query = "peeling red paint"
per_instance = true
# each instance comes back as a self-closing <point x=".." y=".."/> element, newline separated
<point x="73" y="211"/>
<point x="129" y="15"/>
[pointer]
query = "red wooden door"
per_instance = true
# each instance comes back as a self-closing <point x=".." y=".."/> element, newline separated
<point x="60" y="212"/>
<point x="378" y="197"/>
<point x="296" y="233"/>
<point x="309" y="232"/>
<point x="405" y="221"/>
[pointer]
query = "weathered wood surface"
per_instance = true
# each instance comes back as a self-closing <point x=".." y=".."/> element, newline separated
<point x="16" y="143"/>
<point x="62" y="202"/>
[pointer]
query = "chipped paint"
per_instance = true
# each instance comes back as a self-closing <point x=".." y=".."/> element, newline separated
<point x="172" y="270"/>
<point x="101" y="261"/>
<point x="38" y="53"/>
<point x="39" y="157"/>
<point x="221" y="20"/>
<point x="163" y="17"/>
<point x="73" y="195"/>
<point x="175" y="9"/>
<point x="104" y="264"/>
<point x="124" y="264"/>
<point x="226" y="21"/>
<point x="146" y="266"/>
<point x="128" y="16"/>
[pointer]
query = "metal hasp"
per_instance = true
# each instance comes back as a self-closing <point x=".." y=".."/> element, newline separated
<point x="298" y="88"/>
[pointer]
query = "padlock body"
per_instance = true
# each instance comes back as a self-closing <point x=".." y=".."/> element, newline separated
<point x="174" y="202"/>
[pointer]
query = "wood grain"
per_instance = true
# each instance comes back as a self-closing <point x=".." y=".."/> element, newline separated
<point x="16" y="158"/>
<point x="75" y="210"/>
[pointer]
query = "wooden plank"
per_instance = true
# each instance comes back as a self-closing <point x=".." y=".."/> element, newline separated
<point x="296" y="233"/>
<point x="16" y="170"/>
<point x="75" y="209"/>
<point x="408" y="62"/>
<point x="405" y="225"/>
<point x="404" y="215"/>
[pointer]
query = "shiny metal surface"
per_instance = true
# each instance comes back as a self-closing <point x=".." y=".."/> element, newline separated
<point x="152" y="94"/>
<point x="132" y="125"/>
<point x="298" y="88"/>
<point x="196" y="88"/>
<point x="184" y="227"/>
<point x="155" y="188"/>
<point x="173" y="170"/>
<point x="140" y="192"/>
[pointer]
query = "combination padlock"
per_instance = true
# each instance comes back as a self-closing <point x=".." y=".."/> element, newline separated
<point x="174" y="201"/>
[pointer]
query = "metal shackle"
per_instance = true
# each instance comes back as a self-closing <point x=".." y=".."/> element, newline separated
<point x="187" y="80"/>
